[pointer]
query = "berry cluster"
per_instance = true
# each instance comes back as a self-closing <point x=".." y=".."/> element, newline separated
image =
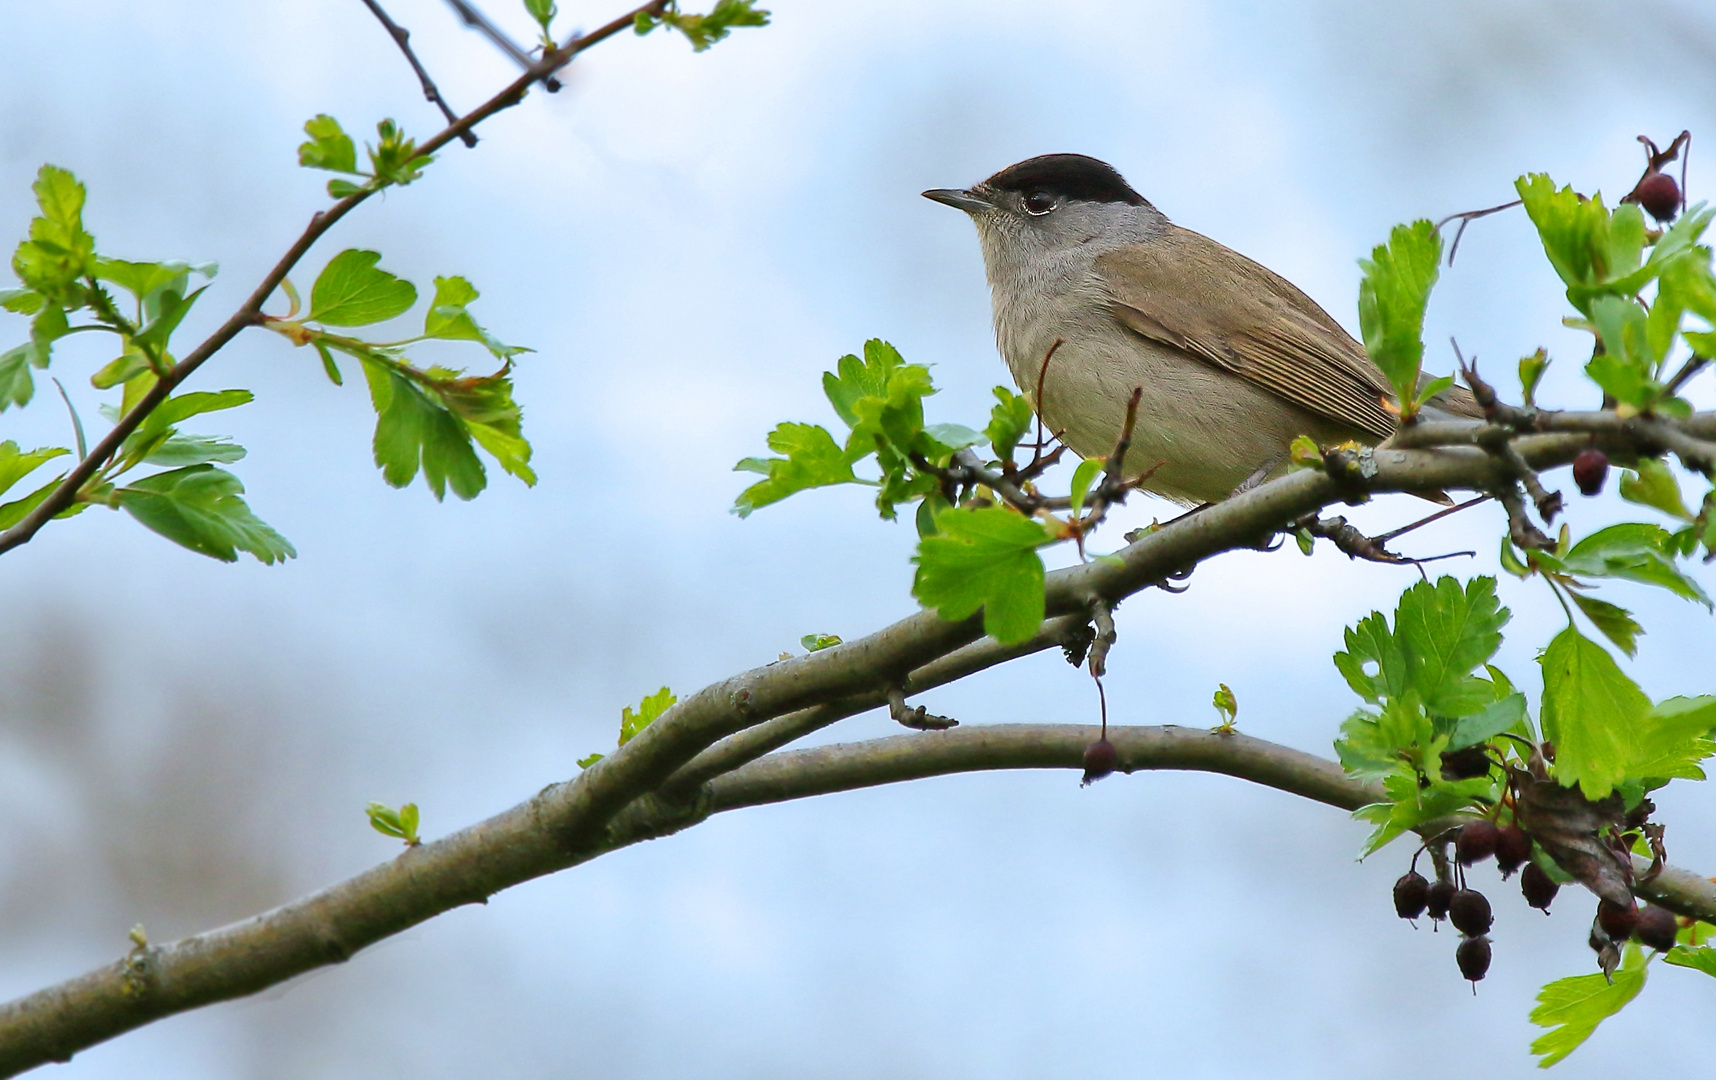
<point x="1469" y="910"/>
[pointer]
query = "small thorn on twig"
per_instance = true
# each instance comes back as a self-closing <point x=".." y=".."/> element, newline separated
<point x="917" y="719"/>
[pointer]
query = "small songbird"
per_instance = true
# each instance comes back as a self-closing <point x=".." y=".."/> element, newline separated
<point x="1232" y="360"/>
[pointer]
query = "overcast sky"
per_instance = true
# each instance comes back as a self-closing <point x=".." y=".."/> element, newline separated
<point x="688" y="241"/>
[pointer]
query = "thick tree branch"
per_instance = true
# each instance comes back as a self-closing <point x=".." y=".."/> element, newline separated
<point x="466" y="867"/>
<point x="625" y="797"/>
<point x="250" y="312"/>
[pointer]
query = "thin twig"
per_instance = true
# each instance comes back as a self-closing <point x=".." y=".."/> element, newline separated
<point x="918" y="719"/>
<point x="402" y="38"/>
<point x="479" y="22"/>
<point x="250" y="312"/>
<point x="1466" y="218"/>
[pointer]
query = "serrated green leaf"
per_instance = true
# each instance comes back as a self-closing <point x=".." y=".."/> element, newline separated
<point x="813" y="459"/>
<point x="199" y="508"/>
<point x="329" y="147"/>
<point x="1441" y="633"/>
<point x="22" y="301"/>
<point x="1592" y="712"/>
<point x="1410" y="805"/>
<point x="1614" y="622"/>
<point x="484" y="404"/>
<point x="853" y="379"/>
<point x="1574" y="1007"/>
<point x="352" y="291"/>
<point x="1393" y="294"/>
<point x="984" y="558"/>
<point x="704" y="30"/>
<point x="59" y="251"/>
<point x="1633" y="551"/>
<point x="16" y="464"/>
<point x="448" y="318"/>
<point x="17" y="385"/>
<point x="180" y="449"/>
<point x="651" y="707"/>
<point x="1652" y="483"/>
<point x="416" y="431"/>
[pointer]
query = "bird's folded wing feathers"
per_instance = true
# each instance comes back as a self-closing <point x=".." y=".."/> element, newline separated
<point x="1185" y="290"/>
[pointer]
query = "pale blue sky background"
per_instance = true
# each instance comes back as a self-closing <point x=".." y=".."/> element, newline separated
<point x="688" y="241"/>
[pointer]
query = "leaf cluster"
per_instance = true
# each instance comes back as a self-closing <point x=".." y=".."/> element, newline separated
<point x="702" y="30"/>
<point x="393" y="158"/>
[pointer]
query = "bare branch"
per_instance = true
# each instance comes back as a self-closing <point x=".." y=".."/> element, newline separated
<point x="402" y="38"/>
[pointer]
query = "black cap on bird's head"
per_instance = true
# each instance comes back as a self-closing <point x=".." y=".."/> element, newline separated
<point x="1060" y="177"/>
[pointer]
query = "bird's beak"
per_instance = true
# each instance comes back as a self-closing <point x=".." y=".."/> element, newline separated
<point x="959" y="199"/>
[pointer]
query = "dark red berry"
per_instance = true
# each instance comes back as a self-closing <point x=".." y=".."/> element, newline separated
<point x="1475" y="842"/>
<point x="1590" y="470"/>
<point x="1657" y="927"/>
<point x="1658" y="194"/>
<point x="1469" y="911"/>
<point x="1513" y="847"/>
<point x="1473" y="956"/>
<point x="1465" y="764"/>
<point x="1099" y="759"/>
<point x="1411" y="893"/>
<point x="1437" y="898"/>
<point x="1617" y="920"/>
<point x="1539" y="888"/>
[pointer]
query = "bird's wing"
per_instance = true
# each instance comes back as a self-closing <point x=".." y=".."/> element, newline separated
<point x="1185" y="290"/>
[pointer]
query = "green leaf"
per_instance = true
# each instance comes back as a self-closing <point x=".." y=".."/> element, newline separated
<point x="484" y="404"/>
<point x="22" y="301"/>
<point x="14" y="511"/>
<point x="199" y="507"/>
<point x="813" y="459"/>
<point x="589" y="760"/>
<point x="1652" y="483"/>
<point x="1587" y="246"/>
<point x="448" y="319"/>
<point x="818" y="642"/>
<point x="1411" y="804"/>
<point x="543" y="11"/>
<point x="16" y="464"/>
<point x="1441" y="633"/>
<point x="59" y="251"/>
<point x="1614" y="622"/>
<point x="1574" y="1007"/>
<point x="414" y="430"/>
<point x="172" y="310"/>
<point x="853" y="379"/>
<point x="384" y="819"/>
<point x="1592" y="712"/>
<point x="648" y="710"/>
<point x="985" y="558"/>
<point x="329" y="147"/>
<point x="1392" y="297"/>
<point x="122" y="368"/>
<point x="1633" y="551"/>
<point x="352" y="291"/>
<point x="17" y="386"/>
<point x="341" y="189"/>
<point x="1083" y="477"/>
<point x="1009" y="420"/>
<point x="408" y="820"/>
<point x="178" y="450"/>
<point x="1702" y="958"/>
<point x="1499" y="716"/>
<point x="1531" y="369"/>
<point x="146" y="279"/>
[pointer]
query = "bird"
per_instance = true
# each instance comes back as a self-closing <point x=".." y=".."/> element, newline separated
<point x="1230" y="360"/>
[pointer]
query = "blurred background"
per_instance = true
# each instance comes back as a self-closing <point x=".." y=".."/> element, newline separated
<point x="688" y="241"/>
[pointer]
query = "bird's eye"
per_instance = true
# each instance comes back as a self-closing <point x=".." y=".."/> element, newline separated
<point x="1039" y="203"/>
